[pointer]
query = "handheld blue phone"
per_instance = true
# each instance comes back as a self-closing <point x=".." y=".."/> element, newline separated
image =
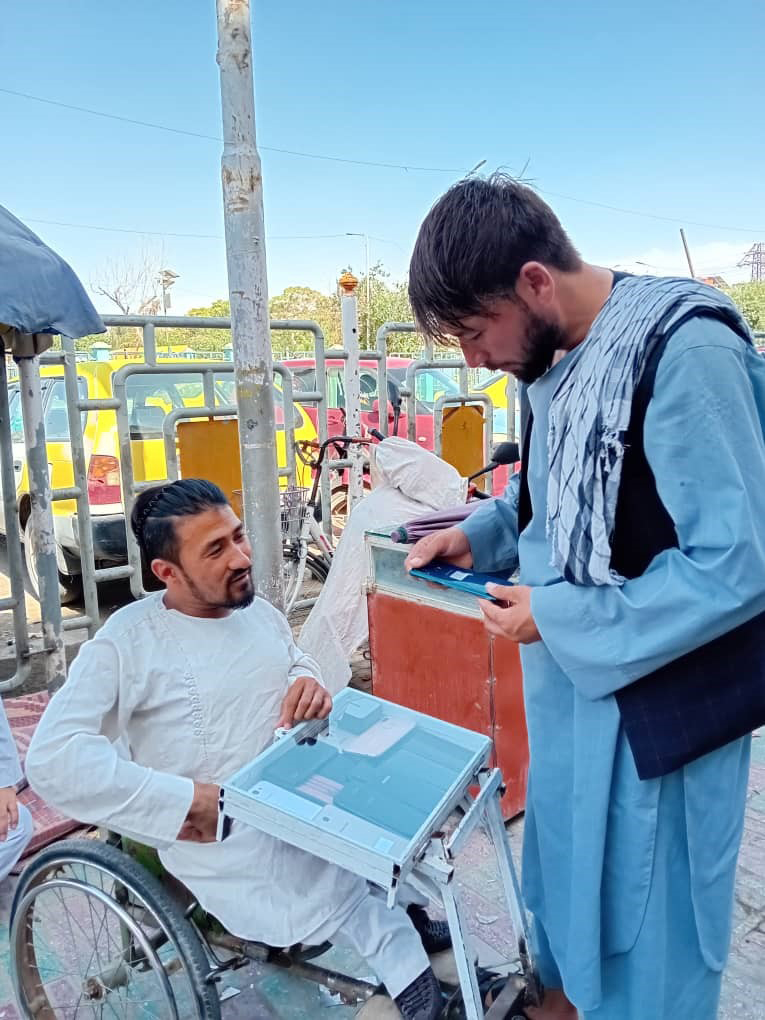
<point x="469" y="581"/>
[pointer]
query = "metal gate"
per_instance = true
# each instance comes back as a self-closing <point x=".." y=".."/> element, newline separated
<point x="79" y="405"/>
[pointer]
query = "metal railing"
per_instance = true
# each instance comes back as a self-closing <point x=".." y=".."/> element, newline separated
<point x="131" y="487"/>
<point x="41" y="494"/>
<point x="153" y="362"/>
<point x="15" y="602"/>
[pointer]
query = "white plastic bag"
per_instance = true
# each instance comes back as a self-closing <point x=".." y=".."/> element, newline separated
<point x="408" y="481"/>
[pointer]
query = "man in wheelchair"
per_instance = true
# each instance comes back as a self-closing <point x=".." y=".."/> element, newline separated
<point x="177" y="692"/>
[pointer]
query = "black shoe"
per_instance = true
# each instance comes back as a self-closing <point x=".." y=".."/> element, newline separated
<point x="435" y="935"/>
<point x="422" y="999"/>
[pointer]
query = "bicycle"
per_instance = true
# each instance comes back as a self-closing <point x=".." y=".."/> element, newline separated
<point x="301" y="531"/>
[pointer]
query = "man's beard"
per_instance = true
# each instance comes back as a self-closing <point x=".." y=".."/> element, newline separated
<point x="232" y="601"/>
<point x="240" y="601"/>
<point x="540" y="343"/>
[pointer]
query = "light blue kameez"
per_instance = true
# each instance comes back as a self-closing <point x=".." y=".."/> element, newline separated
<point x="631" y="883"/>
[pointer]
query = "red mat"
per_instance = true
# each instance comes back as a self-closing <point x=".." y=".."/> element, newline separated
<point x="23" y="715"/>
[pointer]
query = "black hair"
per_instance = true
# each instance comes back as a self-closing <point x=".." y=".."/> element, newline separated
<point x="472" y="245"/>
<point x="155" y="511"/>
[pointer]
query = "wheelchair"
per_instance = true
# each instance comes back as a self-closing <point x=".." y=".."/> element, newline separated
<point x="99" y="929"/>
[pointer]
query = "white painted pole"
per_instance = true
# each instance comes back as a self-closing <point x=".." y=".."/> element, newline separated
<point x="350" y="326"/>
<point x="248" y="292"/>
<point x="369" y="290"/>
<point x="40" y="530"/>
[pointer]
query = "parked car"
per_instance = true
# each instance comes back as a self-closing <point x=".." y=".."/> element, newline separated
<point x="495" y="388"/>
<point x="150" y="398"/>
<point x="429" y="385"/>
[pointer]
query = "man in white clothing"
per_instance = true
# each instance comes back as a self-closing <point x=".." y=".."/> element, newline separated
<point x="16" y="825"/>
<point x="178" y="691"/>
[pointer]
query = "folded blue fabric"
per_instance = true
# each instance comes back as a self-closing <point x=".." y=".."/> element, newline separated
<point x="39" y="292"/>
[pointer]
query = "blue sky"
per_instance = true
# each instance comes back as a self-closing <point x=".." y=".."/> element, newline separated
<point x="653" y="107"/>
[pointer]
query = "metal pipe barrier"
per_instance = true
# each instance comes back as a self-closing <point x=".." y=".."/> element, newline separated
<point x="170" y="437"/>
<point x="15" y="602"/>
<point x="511" y="396"/>
<point x="383" y="333"/>
<point x="43" y="496"/>
<point x="430" y="361"/>
<point x="213" y="410"/>
<point x="75" y="407"/>
<point x="318" y="397"/>
<point x="45" y="541"/>
<point x="457" y="399"/>
<point x="461" y="400"/>
<point x="78" y="405"/>
<point x="41" y="520"/>
<point x="208" y="371"/>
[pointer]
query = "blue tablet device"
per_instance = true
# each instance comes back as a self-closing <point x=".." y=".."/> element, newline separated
<point x="469" y="581"/>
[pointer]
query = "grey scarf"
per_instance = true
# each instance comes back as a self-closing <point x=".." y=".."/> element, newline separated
<point x="590" y="414"/>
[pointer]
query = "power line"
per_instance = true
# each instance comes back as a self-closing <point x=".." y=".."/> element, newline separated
<point x="714" y="270"/>
<point x="647" y="215"/>
<point x="169" y="233"/>
<point x="342" y="159"/>
<point x="210" y="237"/>
<point x="301" y="237"/>
<point x="119" y="230"/>
<point x="217" y="138"/>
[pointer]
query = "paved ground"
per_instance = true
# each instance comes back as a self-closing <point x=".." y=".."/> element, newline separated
<point x="265" y="992"/>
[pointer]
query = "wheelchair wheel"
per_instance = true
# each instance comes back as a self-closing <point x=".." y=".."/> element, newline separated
<point x="93" y="934"/>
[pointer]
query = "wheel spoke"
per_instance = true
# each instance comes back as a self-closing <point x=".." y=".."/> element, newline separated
<point x="85" y="930"/>
<point x="95" y="941"/>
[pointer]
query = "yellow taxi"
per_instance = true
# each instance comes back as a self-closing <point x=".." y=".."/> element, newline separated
<point x="150" y="397"/>
<point x="495" y="387"/>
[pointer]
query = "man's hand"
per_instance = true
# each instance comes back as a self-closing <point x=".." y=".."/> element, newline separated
<point x="451" y="545"/>
<point x="306" y="699"/>
<point x="513" y="618"/>
<point x="9" y="811"/>
<point x="201" y="824"/>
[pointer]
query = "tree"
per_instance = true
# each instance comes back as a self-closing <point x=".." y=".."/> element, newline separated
<point x="293" y="303"/>
<point x="750" y="298"/>
<point x="388" y="302"/>
<point x="214" y="340"/>
<point x="127" y="285"/>
<point x="304" y="303"/>
<point x="131" y="285"/>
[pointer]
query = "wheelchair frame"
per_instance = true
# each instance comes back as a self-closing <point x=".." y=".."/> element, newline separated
<point x="121" y="893"/>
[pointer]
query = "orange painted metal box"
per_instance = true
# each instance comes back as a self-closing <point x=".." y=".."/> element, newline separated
<point x="430" y="652"/>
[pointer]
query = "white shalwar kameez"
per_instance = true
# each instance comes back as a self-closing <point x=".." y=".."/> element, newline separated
<point x="17" y="838"/>
<point x="159" y="699"/>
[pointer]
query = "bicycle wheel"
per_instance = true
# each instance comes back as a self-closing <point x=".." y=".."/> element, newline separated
<point x="93" y="934"/>
<point x="317" y="567"/>
<point x="293" y="571"/>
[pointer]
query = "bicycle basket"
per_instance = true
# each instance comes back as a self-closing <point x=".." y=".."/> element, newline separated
<point x="294" y="506"/>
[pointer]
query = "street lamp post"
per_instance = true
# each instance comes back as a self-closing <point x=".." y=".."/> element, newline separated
<point x="166" y="280"/>
<point x="366" y="254"/>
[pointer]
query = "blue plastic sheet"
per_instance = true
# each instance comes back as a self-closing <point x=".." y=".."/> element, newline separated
<point x="39" y="292"/>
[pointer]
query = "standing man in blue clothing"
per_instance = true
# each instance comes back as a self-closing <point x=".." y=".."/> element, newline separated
<point x="637" y="526"/>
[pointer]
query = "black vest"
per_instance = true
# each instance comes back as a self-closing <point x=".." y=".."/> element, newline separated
<point x="710" y="696"/>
